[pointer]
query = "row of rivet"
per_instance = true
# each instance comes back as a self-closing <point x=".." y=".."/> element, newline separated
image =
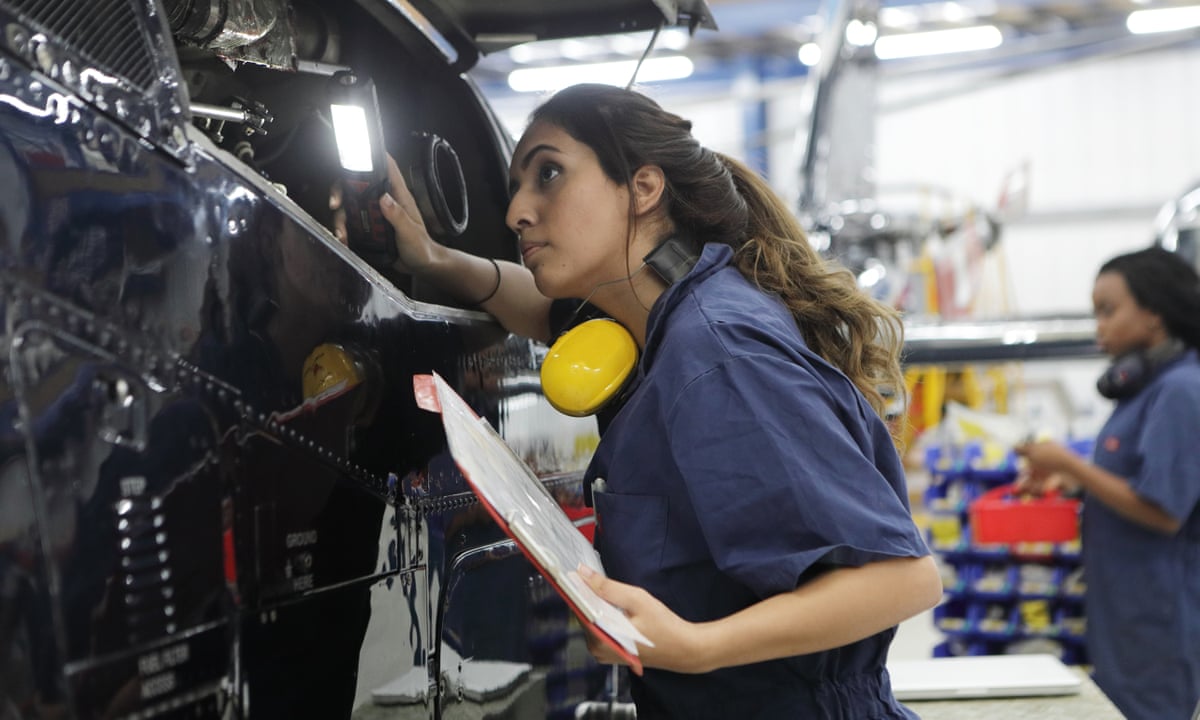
<point x="29" y="304"/>
<point x="159" y="120"/>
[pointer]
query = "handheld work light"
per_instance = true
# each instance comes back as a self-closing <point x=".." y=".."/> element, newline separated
<point x="354" y="110"/>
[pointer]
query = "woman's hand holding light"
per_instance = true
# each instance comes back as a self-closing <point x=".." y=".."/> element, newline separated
<point x="416" y="250"/>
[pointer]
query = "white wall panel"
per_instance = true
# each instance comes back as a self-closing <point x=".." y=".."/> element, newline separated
<point x="1107" y="143"/>
<point x="1116" y="132"/>
<point x="1050" y="267"/>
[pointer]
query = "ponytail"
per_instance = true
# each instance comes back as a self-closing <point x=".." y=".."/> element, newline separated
<point x="858" y="334"/>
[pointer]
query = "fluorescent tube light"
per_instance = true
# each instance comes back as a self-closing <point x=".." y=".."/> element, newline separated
<point x="542" y="79"/>
<point x="353" y="141"/>
<point x="1163" y="19"/>
<point x="938" y="42"/>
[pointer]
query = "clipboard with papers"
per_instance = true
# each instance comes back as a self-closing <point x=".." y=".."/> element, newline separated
<point x="525" y="510"/>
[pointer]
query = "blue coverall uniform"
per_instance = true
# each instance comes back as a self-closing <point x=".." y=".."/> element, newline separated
<point x="741" y="466"/>
<point x="1143" y="587"/>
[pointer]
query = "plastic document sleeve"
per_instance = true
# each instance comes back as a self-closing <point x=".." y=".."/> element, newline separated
<point x="522" y="506"/>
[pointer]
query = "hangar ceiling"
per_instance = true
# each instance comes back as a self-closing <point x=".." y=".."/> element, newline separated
<point x="1028" y="34"/>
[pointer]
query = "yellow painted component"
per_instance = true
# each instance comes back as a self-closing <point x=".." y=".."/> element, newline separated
<point x="1035" y="615"/>
<point x="972" y="390"/>
<point x="327" y="367"/>
<point x="933" y="395"/>
<point x="587" y="366"/>
<point x="585" y="445"/>
<point x="946" y="530"/>
<point x="926" y="388"/>
<point x="999" y="377"/>
<point x="926" y="270"/>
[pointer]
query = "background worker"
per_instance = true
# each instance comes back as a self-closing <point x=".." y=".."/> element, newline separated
<point x="1141" y="517"/>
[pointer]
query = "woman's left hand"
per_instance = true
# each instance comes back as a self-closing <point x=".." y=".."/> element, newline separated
<point x="678" y="644"/>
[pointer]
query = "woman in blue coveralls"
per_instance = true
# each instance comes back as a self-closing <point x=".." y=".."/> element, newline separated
<point x="1141" y="516"/>
<point x="752" y="510"/>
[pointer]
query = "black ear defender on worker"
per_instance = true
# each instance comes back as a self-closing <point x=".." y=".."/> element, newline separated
<point x="590" y="364"/>
<point x="672" y="258"/>
<point x="1132" y="371"/>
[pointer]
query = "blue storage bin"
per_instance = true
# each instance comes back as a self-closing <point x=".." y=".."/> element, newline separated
<point x="1034" y="551"/>
<point x="953" y="647"/>
<point x="956" y="579"/>
<point x="993" y="553"/>
<point x="956" y="554"/>
<point x="1038" y="580"/>
<point x="951" y="618"/>
<point x="1037" y="618"/>
<point x="997" y="622"/>
<point x="1071" y="622"/>
<point x="995" y="582"/>
<point x="1069" y="552"/>
<point x="999" y="598"/>
<point x="1073" y="585"/>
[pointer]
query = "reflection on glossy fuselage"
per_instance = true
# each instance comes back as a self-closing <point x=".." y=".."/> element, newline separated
<point x="182" y="531"/>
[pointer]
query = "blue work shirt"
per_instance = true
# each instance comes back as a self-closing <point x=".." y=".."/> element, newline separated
<point x="741" y="466"/>
<point x="1143" y="587"/>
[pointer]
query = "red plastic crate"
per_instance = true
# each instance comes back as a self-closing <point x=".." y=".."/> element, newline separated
<point x="1000" y="516"/>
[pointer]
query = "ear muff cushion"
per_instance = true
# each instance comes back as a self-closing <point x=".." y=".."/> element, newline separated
<point x="587" y="366"/>
<point x="1130" y="373"/>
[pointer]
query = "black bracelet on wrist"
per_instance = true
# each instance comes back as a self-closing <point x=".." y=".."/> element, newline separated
<point x="495" y="289"/>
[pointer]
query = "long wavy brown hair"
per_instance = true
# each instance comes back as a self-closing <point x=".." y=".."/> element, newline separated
<point x="718" y="199"/>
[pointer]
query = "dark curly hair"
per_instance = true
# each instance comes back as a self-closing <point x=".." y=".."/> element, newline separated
<point x="1166" y="285"/>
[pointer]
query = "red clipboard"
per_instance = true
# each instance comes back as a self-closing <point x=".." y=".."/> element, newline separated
<point x="506" y="487"/>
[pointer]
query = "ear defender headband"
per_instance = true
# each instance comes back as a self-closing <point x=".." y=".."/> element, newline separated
<point x="591" y="363"/>
<point x="1133" y="371"/>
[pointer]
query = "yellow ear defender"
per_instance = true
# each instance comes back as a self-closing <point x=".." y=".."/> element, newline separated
<point x="587" y="366"/>
<point x="590" y="363"/>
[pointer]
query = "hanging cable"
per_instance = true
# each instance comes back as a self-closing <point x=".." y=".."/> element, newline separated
<point x="650" y="46"/>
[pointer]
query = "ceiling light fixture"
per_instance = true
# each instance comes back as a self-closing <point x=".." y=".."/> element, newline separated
<point x="938" y="42"/>
<point x="535" y="52"/>
<point x="578" y="50"/>
<point x="1163" y="19"/>
<point x="809" y="54"/>
<point x="541" y="79"/>
<point x="861" y="34"/>
<point x="898" y="17"/>
<point x="674" y="39"/>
